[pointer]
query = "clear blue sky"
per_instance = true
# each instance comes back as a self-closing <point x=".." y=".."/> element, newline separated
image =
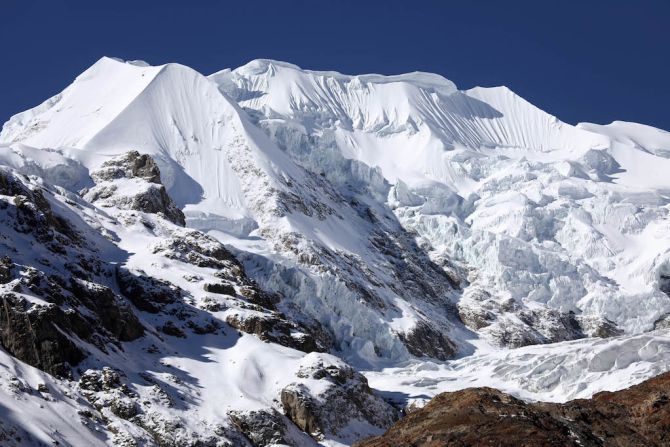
<point x="588" y="60"/>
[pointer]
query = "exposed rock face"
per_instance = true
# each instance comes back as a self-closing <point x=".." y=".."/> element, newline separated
<point x="13" y="435"/>
<point x="233" y="287"/>
<point x="223" y="289"/>
<point x="261" y="428"/>
<point x="132" y="181"/>
<point x="43" y="334"/>
<point x="34" y="333"/>
<point x="199" y="249"/>
<point x="341" y="398"/>
<point x="148" y="294"/>
<point x="32" y="214"/>
<point x="105" y="391"/>
<point x="114" y="314"/>
<point x="169" y="328"/>
<point x="424" y="340"/>
<point x="272" y="327"/>
<point x="639" y="415"/>
<point x="6" y="266"/>
<point x="593" y="326"/>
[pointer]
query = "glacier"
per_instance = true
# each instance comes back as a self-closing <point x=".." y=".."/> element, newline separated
<point x="439" y="238"/>
<point x="544" y="212"/>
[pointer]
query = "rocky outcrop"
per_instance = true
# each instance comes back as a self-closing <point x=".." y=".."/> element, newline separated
<point x="104" y="389"/>
<point x="639" y="415"/>
<point x="130" y="165"/>
<point x="272" y="327"/>
<point x="595" y="326"/>
<point x="220" y="288"/>
<point x="52" y="297"/>
<point x="169" y="328"/>
<point x="114" y="314"/>
<point x="509" y="324"/>
<point x="261" y="428"/>
<point x="146" y="293"/>
<point x="6" y="267"/>
<point x="196" y="248"/>
<point x="132" y="181"/>
<point x="45" y="319"/>
<point x="425" y="340"/>
<point x="31" y="213"/>
<point x="231" y="288"/>
<point x="340" y="398"/>
<point x="36" y="334"/>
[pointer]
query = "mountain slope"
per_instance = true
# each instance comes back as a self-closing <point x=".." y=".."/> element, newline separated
<point x="276" y="232"/>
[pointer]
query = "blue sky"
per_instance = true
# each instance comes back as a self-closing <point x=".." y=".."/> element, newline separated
<point x="588" y="60"/>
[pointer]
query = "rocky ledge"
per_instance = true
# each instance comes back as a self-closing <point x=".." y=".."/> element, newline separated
<point x="132" y="181"/>
<point x="637" y="416"/>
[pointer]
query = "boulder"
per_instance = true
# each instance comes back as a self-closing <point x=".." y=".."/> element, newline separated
<point x="262" y="428"/>
<point x="331" y="397"/>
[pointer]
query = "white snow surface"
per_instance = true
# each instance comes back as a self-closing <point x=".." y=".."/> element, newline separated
<point x="529" y="208"/>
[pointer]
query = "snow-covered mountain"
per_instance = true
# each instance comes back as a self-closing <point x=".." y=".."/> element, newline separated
<point x="388" y="227"/>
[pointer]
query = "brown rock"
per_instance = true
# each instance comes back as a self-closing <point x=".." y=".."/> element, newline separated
<point x="147" y="293"/>
<point x="115" y="315"/>
<point x="637" y="416"/>
<point x="154" y="199"/>
<point x="300" y="408"/>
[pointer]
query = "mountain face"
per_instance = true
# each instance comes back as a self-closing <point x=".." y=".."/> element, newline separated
<point x="270" y="255"/>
